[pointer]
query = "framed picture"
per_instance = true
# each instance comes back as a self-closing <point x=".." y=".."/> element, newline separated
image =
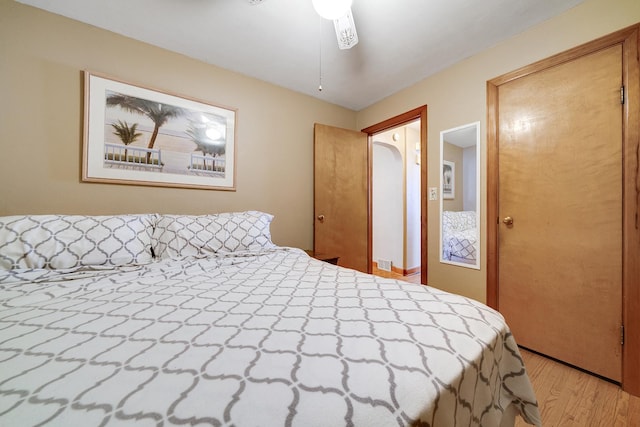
<point x="448" y="179"/>
<point x="136" y="135"/>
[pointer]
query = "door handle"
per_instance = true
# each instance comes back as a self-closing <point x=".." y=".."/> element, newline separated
<point x="508" y="221"/>
<point x="321" y="218"/>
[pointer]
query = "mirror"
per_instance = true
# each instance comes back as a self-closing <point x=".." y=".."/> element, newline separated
<point x="459" y="196"/>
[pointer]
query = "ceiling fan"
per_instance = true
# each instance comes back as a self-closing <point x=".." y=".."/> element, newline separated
<point x="339" y="11"/>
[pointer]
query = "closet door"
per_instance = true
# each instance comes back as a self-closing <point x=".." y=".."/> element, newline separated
<point x="560" y="210"/>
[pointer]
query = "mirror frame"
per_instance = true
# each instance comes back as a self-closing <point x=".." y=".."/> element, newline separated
<point x="475" y="265"/>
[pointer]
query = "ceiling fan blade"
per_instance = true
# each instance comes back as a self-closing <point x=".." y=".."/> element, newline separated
<point x="346" y="31"/>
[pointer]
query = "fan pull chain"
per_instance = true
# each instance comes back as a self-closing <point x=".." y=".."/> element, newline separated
<point x="320" y="57"/>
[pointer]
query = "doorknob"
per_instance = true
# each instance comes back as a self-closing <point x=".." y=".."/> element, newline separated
<point x="321" y="218"/>
<point x="508" y="220"/>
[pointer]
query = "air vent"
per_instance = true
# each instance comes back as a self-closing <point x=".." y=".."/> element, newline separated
<point x="384" y="264"/>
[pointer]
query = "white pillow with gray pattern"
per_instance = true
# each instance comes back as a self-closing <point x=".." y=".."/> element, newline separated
<point x="69" y="241"/>
<point x="179" y="236"/>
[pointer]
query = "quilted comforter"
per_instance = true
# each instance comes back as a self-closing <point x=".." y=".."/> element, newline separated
<point x="262" y="338"/>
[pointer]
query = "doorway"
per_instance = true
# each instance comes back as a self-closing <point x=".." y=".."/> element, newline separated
<point x="342" y="191"/>
<point x="395" y="189"/>
<point x="416" y="120"/>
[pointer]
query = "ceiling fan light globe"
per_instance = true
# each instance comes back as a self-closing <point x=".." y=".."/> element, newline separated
<point x="331" y="9"/>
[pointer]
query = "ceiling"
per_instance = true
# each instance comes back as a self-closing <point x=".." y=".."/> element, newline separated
<point x="283" y="42"/>
<point x="464" y="137"/>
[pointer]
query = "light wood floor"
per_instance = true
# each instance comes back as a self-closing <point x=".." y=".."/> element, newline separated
<point x="570" y="397"/>
<point x="413" y="278"/>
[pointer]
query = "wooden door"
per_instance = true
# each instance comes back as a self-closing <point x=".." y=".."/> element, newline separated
<point x="341" y="195"/>
<point x="560" y="183"/>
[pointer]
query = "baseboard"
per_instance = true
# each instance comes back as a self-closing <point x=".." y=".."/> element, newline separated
<point x="398" y="270"/>
<point x="411" y="271"/>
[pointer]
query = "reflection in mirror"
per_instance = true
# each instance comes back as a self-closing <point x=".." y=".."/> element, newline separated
<point x="459" y="196"/>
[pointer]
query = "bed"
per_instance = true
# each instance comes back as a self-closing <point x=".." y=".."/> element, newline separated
<point x="167" y="320"/>
<point x="459" y="236"/>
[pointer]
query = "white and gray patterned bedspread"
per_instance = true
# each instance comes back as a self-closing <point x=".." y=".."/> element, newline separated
<point x="460" y="244"/>
<point x="265" y="339"/>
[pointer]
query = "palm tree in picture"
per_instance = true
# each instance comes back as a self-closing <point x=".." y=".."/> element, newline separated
<point x="158" y="113"/>
<point x="127" y="134"/>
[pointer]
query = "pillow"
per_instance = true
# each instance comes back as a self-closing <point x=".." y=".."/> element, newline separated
<point x="68" y="241"/>
<point x="458" y="220"/>
<point x="178" y="236"/>
<point x="247" y="231"/>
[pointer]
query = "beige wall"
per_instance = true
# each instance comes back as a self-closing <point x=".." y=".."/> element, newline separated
<point x="41" y="59"/>
<point x="457" y="96"/>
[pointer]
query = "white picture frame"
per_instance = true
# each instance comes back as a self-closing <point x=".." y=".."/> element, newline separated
<point x="448" y="180"/>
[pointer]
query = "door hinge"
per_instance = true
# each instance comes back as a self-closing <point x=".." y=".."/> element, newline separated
<point x="621" y="334"/>
<point x="622" y="95"/>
